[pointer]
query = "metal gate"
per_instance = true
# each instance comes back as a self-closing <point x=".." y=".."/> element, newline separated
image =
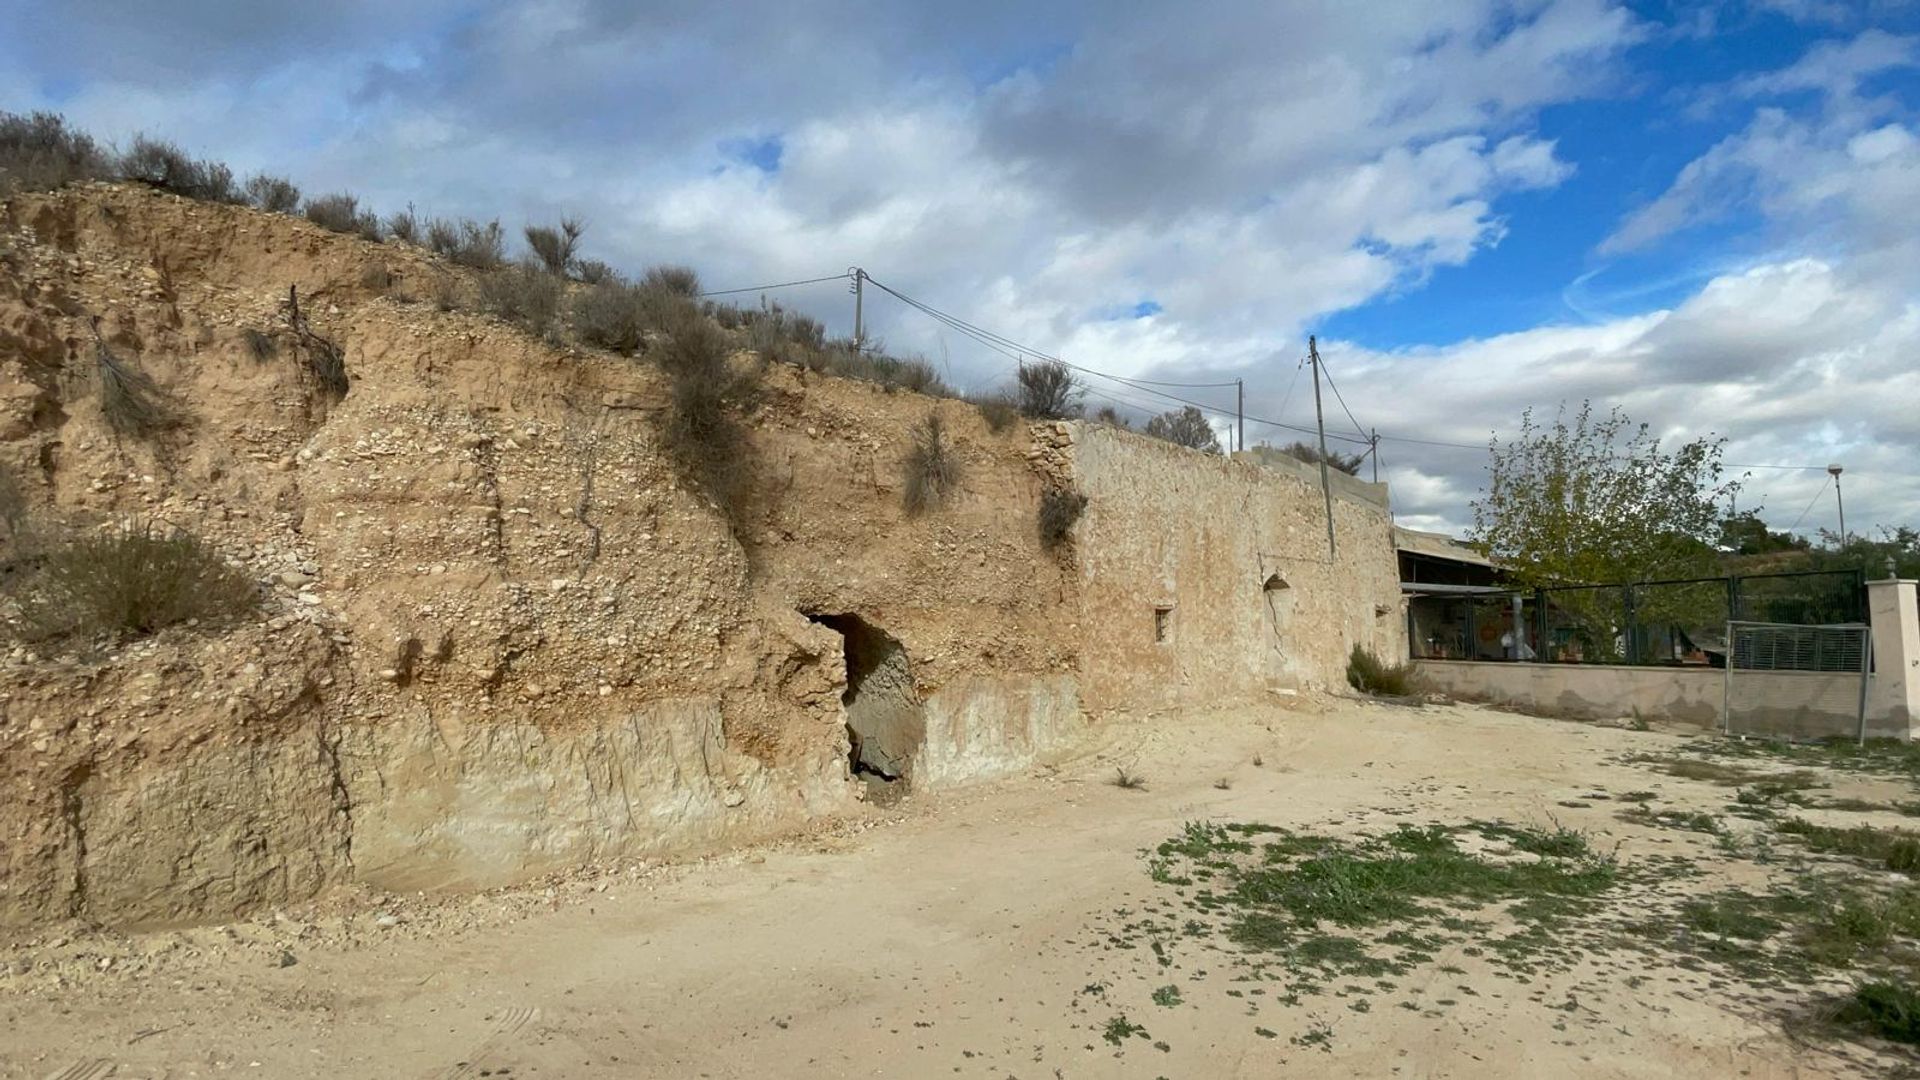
<point x="1788" y="681"/>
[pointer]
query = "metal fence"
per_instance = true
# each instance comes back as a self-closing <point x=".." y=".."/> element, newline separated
<point x="1682" y="622"/>
<point x="1797" y="681"/>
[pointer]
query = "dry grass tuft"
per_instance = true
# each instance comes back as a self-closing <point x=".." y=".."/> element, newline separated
<point x="556" y="246"/>
<point x="701" y="431"/>
<point x="132" y="403"/>
<point x="526" y="296"/>
<point x="468" y="243"/>
<point x="930" y="473"/>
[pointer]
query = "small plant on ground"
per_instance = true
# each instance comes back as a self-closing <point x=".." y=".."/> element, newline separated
<point x="1371" y="675"/>
<point x="1167" y="996"/>
<point x="274" y="194"/>
<point x="1047" y="390"/>
<point x="167" y="167"/>
<point x="341" y="213"/>
<point x="1120" y="1029"/>
<point x="134" y="582"/>
<point x="39" y="152"/>
<point x="1127" y="781"/>
<point x="1060" y="510"/>
<point x="930" y="473"/>
<point x="1896" y="849"/>
<point x="1890" y="1009"/>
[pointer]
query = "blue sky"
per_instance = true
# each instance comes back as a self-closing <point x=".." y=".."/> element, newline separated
<point x="1700" y="212"/>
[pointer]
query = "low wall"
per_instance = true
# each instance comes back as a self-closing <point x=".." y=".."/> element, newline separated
<point x="1792" y="704"/>
<point x="1585" y="692"/>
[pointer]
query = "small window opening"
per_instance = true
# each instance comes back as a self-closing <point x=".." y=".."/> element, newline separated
<point x="1162" y="624"/>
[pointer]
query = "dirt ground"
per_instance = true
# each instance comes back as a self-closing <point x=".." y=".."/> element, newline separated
<point x="957" y="935"/>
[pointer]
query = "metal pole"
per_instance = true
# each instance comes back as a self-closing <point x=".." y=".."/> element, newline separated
<point x="1841" y="504"/>
<point x="1374" y="441"/>
<point x="1866" y="671"/>
<point x="1240" y="414"/>
<point x="1320" y="422"/>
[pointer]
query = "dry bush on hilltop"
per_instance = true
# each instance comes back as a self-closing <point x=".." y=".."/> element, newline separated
<point x="555" y="246"/>
<point x="167" y="167"/>
<point x="930" y="473"/>
<point x="341" y="213"/>
<point x="39" y="152"/>
<point x="274" y="194"/>
<point x="404" y="226"/>
<point x="679" y="280"/>
<point x="1047" y="390"/>
<point x="468" y="243"/>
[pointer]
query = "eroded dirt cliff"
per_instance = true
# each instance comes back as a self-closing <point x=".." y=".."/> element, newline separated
<point x="500" y="634"/>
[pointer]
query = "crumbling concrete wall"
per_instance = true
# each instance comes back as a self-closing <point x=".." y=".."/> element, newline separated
<point x="1203" y="580"/>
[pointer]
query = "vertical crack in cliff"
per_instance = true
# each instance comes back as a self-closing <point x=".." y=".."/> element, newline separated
<point x="72" y="812"/>
<point x="584" y="505"/>
<point x="342" y="797"/>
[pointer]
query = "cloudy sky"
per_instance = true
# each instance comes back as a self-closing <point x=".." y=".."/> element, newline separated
<point x="1702" y="212"/>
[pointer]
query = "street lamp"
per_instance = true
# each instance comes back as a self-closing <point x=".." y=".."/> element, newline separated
<point x="1834" y="471"/>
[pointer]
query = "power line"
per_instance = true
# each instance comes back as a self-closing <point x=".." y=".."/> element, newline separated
<point x="779" y="285"/>
<point x="1810" y="502"/>
<point x="1336" y="395"/>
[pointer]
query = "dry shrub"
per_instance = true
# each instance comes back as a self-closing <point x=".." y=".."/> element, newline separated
<point x="1060" y="509"/>
<point x="376" y="278"/>
<point x="555" y="246"/>
<point x="341" y="213"/>
<point x="260" y="345"/>
<point x="1111" y="417"/>
<point x="701" y="431"/>
<point x="846" y="360"/>
<point x="594" y="272"/>
<point x="678" y="280"/>
<point x="274" y="194"/>
<point x="326" y="362"/>
<point x="1371" y="675"/>
<point x="404" y="225"/>
<point x="166" y="166"/>
<point x="132" y="403"/>
<point x="526" y="296"/>
<point x="615" y="315"/>
<point x="930" y="473"/>
<point x="998" y="410"/>
<point x="133" y="582"/>
<point x="469" y="243"/>
<point x="38" y="152"/>
<point x="1047" y="390"/>
<point x="13" y="502"/>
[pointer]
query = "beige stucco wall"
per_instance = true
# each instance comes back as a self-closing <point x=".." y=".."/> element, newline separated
<point x="1167" y="527"/>
<point x="1798" y="704"/>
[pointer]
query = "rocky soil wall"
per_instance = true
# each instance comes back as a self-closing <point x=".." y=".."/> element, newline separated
<point x="500" y="636"/>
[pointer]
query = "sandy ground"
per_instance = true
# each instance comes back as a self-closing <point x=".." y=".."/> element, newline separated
<point x="960" y="938"/>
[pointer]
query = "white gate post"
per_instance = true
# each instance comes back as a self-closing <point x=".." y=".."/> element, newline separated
<point x="1893" y="700"/>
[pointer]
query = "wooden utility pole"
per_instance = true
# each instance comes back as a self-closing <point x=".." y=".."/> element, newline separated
<point x="1320" y="424"/>
<point x="1374" y="441"/>
<point x="859" y="300"/>
<point x="1240" y="414"/>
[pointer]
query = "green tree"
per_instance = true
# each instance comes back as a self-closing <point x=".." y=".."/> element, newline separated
<point x="1188" y="427"/>
<point x="1595" y="499"/>
<point x="1746" y="534"/>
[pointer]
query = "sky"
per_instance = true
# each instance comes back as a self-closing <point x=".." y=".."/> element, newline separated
<point x="1702" y="213"/>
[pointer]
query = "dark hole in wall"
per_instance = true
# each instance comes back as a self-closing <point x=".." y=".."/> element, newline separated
<point x="885" y="722"/>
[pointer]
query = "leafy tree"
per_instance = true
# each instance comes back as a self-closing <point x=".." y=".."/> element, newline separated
<point x="1188" y="427"/>
<point x="1596" y="499"/>
<point x="1746" y="534"/>
<point x="1309" y="453"/>
<point x="1895" y="553"/>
